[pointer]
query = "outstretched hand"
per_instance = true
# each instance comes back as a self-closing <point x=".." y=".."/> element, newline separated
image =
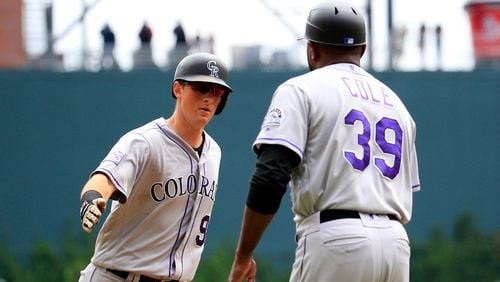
<point x="243" y="268"/>
<point x="90" y="213"/>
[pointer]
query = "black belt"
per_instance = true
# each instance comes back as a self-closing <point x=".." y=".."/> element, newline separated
<point x="124" y="275"/>
<point x="328" y="215"/>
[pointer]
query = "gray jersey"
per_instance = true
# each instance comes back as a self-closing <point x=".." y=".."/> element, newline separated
<point x="170" y="191"/>
<point x="355" y="138"/>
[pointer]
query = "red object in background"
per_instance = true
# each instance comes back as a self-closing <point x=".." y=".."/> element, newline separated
<point x="11" y="42"/>
<point x="485" y="22"/>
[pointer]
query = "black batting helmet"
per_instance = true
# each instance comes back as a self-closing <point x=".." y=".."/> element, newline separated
<point x="204" y="67"/>
<point x="336" y="22"/>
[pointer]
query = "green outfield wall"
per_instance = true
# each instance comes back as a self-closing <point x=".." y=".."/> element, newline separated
<point x="56" y="127"/>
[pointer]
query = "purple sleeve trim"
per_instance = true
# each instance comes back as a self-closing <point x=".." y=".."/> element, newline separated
<point x="119" y="187"/>
<point x="415" y="188"/>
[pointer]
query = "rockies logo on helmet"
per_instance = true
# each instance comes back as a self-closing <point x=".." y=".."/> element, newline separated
<point x="212" y="67"/>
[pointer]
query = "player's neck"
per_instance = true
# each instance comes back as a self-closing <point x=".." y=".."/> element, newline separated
<point x="340" y="60"/>
<point x="192" y="136"/>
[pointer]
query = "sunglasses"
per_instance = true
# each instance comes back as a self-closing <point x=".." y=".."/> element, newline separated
<point x="204" y="87"/>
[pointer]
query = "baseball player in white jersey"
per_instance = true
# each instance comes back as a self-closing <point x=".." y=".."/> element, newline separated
<point x="164" y="178"/>
<point x="345" y="143"/>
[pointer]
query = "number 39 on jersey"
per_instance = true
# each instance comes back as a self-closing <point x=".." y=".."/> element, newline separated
<point x="388" y="137"/>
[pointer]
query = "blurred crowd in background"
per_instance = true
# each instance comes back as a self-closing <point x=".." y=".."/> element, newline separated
<point x="29" y="40"/>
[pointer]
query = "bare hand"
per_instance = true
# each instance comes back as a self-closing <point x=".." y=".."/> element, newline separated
<point x="244" y="268"/>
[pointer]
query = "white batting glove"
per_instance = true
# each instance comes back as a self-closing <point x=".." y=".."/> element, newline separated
<point x="91" y="212"/>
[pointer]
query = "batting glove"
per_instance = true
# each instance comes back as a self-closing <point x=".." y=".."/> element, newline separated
<point x="91" y="210"/>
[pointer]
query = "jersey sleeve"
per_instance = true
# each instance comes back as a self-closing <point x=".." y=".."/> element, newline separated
<point x="285" y="122"/>
<point x="415" y="180"/>
<point x="124" y="162"/>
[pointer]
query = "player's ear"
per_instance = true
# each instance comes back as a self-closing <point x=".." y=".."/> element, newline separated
<point x="310" y="51"/>
<point x="312" y="55"/>
<point x="363" y="50"/>
<point x="176" y="89"/>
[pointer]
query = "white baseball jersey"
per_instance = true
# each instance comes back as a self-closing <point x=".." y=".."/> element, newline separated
<point x="161" y="229"/>
<point x="355" y="138"/>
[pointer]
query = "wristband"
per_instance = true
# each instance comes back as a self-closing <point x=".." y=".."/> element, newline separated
<point x="86" y="201"/>
<point x="90" y="196"/>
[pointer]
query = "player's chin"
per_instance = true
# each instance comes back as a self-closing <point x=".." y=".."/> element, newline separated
<point x="205" y="115"/>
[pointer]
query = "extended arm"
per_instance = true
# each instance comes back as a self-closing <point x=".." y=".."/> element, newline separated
<point x="267" y="186"/>
<point x="94" y="195"/>
<point x="254" y="225"/>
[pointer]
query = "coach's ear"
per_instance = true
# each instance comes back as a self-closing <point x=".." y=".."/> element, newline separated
<point x="363" y="50"/>
<point x="176" y="89"/>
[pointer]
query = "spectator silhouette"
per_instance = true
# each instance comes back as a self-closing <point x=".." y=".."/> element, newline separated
<point x="197" y="44"/>
<point x="438" y="46"/>
<point x="398" y="45"/>
<point x="210" y="44"/>
<point x="421" y="43"/>
<point x="146" y="34"/>
<point x="108" y="58"/>
<point x="203" y="44"/>
<point x="143" y="57"/>
<point x="181" y="47"/>
<point x="180" y="35"/>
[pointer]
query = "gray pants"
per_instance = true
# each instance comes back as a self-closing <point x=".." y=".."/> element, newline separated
<point x="93" y="273"/>
<point x="366" y="249"/>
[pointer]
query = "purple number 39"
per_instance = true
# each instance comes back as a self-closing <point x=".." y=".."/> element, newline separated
<point x="381" y="128"/>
